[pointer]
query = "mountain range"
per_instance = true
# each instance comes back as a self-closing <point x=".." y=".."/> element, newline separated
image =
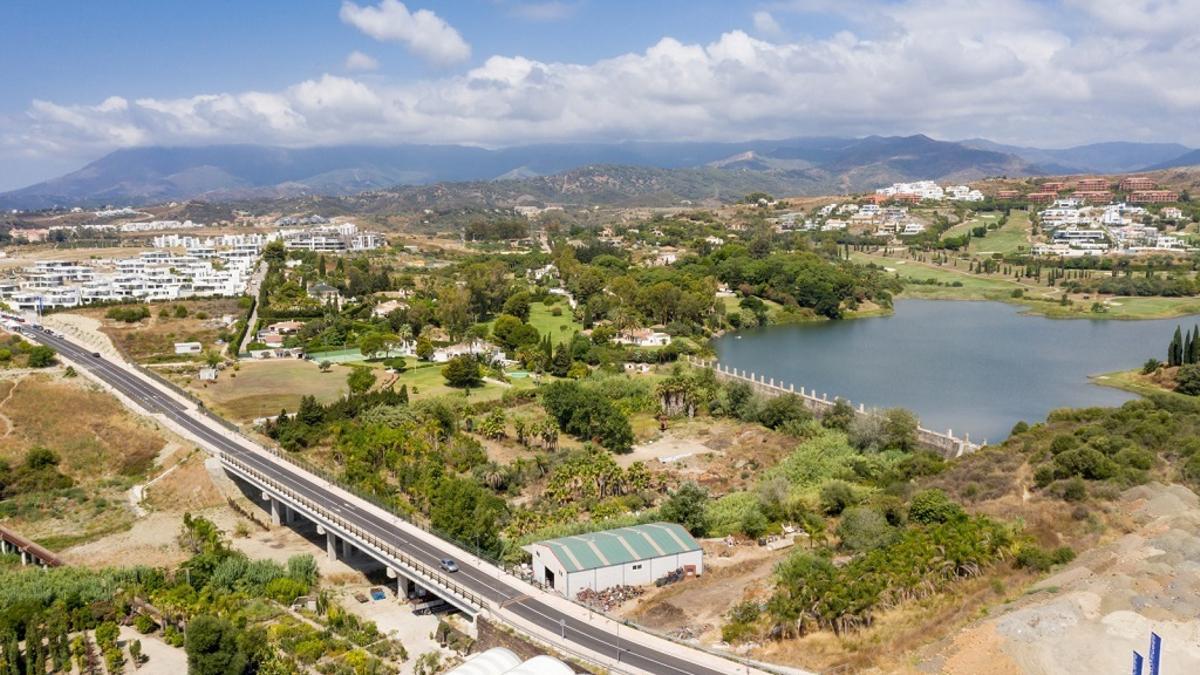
<point x="579" y="172"/>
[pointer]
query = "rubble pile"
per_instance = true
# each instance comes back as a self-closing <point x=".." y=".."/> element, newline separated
<point x="608" y="598"/>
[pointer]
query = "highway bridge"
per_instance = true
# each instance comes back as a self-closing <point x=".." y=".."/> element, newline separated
<point x="410" y="553"/>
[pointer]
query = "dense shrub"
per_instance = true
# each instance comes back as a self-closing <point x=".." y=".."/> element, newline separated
<point x="837" y="496"/>
<point x="863" y="528"/>
<point x="1187" y="379"/>
<point x="933" y="506"/>
<point x="587" y="416"/>
<point x="1036" y="558"/>
<point x="1084" y="462"/>
<point x="128" y="313"/>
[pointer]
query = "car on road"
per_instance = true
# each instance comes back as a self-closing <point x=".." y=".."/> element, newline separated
<point x="96" y="354"/>
<point x="449" y="566"/>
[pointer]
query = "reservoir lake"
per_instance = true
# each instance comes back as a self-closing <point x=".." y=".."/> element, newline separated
<point x="974" y="367"/>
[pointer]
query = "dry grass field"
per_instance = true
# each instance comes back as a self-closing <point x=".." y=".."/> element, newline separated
<point x="263" y="388"/>
<point x="153" y="339"/>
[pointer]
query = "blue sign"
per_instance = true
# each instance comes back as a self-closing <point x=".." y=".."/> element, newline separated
<point x="1155" y="652"/>
<point x="1137" y="664"/>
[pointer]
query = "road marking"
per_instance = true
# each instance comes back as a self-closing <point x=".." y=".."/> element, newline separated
<point x="147" y="395"/>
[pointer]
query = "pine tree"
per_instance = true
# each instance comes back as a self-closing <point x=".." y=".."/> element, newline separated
<point x="1194" y="352"/>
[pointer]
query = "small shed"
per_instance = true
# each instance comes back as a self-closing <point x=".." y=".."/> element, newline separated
<point x="625" y="556"/>
<point x="188" y="347"/>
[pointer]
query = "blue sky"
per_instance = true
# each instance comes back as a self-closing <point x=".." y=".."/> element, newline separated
<point x="83" y="78"/>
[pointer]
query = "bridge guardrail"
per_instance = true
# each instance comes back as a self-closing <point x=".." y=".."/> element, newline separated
<point x="364" y="536"/>
<point x="314" y="470"/>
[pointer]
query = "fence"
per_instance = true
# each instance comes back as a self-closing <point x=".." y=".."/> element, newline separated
<point x="27" y="548"/>
<point x="385" y="549"/>
<point x="322" y="474"/>
<point x="947" y="444"/>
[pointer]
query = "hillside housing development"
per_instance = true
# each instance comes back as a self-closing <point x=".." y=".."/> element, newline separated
<point x="927" y="189"/>
<point x="203" y="270"/>
<point x="1077" y="228"/>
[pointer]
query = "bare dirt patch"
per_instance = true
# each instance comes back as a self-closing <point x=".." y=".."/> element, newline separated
<point x="153" y="339"/>
<point x="695" y="608"/>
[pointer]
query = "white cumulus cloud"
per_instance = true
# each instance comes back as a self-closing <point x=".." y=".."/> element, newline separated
<point x="424" y="33"/>
<point x="953" y="69"/>
<point x="357" y="60"/>
<point x="765" y="23"/>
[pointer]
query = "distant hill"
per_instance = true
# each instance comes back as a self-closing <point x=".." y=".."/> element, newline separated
<point x="1114" y="157"/>
<point x="244" y="172"/>
<point x="1189" y="159"/>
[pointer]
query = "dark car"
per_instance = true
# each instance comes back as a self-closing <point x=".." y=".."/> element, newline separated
<point x="96" y="354"/>
<point x="449" y="566"/>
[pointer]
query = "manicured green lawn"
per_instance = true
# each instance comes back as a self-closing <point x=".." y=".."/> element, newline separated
<point x="1038" y="299"/>
<point x="1008" y="239"/>
<point x="424" y="380"/>
<point x="967" y="225"/>
<point x="973" y="286"/>
<point x="561" y="327"/>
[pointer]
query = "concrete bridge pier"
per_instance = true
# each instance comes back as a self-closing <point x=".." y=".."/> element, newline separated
<point x="331" y="542"/>
<point x="276" y="515"/>
<point x="24" y="558"/>
<point x="3" y="547"/>
<point x="404" y="585"/>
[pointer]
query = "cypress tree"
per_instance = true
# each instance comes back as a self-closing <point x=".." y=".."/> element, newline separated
<point x="1186" y="353"/>
<point x="33" y="648"/>
<point x="10" y="654"/>
<point x="1194" y="353"/>
<point x="1175" y="351"/>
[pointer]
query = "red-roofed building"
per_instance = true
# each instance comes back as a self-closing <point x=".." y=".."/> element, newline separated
<point x="1135" y="183"/>
<point x="1053" y="186"/>
<point x="1153" y="196"/>
<point x="1092" y="184"/>
<point x="1008" y="194"/>
<point x="1041" y="197"/>
<point x="1093" y="196"/>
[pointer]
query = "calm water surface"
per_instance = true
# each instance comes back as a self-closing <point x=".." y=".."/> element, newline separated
<point x="975" y="367"/>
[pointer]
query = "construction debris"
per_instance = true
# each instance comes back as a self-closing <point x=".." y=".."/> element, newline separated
<point x="609" y="598"/>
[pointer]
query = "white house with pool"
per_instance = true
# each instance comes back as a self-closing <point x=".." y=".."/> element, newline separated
<point x="625" y="556"/>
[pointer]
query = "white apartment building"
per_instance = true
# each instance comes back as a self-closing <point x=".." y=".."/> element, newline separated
<point x="923" y="189"/>
<point x="332" y="239"/>
<point x="153" y="275"/>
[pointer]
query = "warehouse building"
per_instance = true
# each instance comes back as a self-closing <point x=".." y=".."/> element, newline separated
<point x="626" y="556"/>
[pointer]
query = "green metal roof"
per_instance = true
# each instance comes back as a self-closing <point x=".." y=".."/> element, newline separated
<point x="620" y="546"/>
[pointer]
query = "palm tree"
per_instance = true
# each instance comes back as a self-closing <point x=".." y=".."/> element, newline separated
<point x="404" y="333"/>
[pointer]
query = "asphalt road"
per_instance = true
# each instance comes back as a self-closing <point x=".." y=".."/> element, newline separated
<point x="593" y="637"/>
